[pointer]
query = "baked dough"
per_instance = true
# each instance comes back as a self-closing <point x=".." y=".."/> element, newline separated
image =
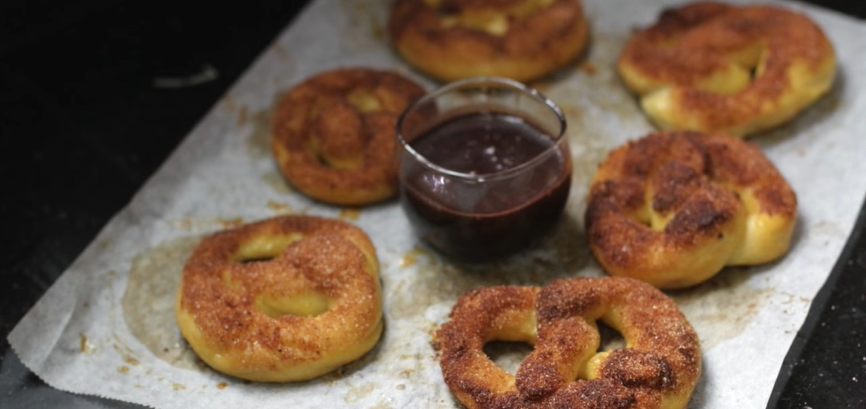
<point x="284" y="299"/>
<point x="334" y="135"/>
<point x="518" y="39"/>
<point x="713" y="67"/>
<point x="674" y="208"/>
<point x="658" y="368"/>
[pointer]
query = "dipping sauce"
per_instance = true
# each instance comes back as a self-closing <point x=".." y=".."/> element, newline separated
<point x="515" y="183"/>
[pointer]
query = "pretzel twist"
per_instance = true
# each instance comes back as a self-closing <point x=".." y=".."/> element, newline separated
<point x="334" y="135"/>
<point x="658" y="368"/>
<point x="285" y="299"/>
<point x="518" y="39"/>
<point x="712" y="67"/>
<point x="674" y="208"/>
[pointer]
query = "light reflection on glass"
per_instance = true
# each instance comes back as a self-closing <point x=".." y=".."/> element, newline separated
<point x="437" y="183"/>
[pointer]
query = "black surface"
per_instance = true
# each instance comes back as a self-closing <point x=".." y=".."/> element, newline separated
<point x="826" y="365"/>
<point x="83" y="126"/>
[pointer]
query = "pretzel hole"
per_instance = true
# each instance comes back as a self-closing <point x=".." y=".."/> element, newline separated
<point x="264" y="248"/>
<point x="610" y="339"/>
<point x="258" y="259"/>
<point x="508" y="355"/>
<point x="308" y="304"/>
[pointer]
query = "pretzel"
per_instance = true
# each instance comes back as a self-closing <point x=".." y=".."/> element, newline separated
<point x="284" y="299"/>
<point x="712" y="67"/>
<point x="658" y="368"/>
<point x="675" y="207"/>
<point x="518" y="39"/>
<point x="334" y="135"/>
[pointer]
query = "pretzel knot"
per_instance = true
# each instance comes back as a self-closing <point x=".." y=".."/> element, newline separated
<point x="334" y="135"/>
<point x="284" y="299"/>
<point x="658" y="368"/>
<point x="518" y="39"/>
<point x="717" y="68"/>
<point x="674" y="208"/>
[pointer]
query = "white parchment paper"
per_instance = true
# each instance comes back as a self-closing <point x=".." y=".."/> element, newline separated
<point x="106" y="326"/>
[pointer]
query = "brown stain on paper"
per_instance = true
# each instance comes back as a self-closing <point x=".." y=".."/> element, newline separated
<point x="85" y="345"/>
<point x="229" y="104"/>
<point x="366" y="28"/>
<point x="438" y="280"/>
<point x="230" y="223"/>
<point x="148" y="303"/>
<point x="243" y="116"/>
<point x="357" y="393"/>
<point x="382" y="405"/>
<point x="350" y="214"/>
<point x="411" y="258"/>
<point x="280" y="208"/>
<point x="259" y="148"/>
<point x="259" y="141"/>
<point x="722" y="307"/>
<point x="118" y="342"/>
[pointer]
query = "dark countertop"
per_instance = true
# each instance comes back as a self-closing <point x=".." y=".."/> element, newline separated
<point x="84" y="126"/>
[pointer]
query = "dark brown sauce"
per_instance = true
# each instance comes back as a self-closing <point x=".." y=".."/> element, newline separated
<point x="471" y="223"/>
<point x="482" y="144"/>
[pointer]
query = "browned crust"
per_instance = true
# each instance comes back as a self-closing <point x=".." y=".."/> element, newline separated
<point x="532" y="47"/>
<point x="316" y="122"/>
<point x="685" y="43"/>
<point x="689" y="43"/>
<point x="331" y="258"/>
<point x="696" y="179"/>
<point x="662" y="359"/>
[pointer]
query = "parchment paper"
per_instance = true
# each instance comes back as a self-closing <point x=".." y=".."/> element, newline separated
<point x="106" y="327"/>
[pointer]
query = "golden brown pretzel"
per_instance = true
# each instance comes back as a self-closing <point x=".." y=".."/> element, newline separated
<point x="717" y="68"/>
<point x="674" y="208"/>
<point x="334" y="135"/>
<point x="285" y="299"/>
<point x="518" y="39"/>
<point x="658" y="368"/>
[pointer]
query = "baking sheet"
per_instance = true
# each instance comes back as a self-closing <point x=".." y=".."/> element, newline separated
<point x="106" y="327"/>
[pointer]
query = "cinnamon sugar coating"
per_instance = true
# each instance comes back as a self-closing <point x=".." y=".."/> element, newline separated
<point x="674" y="208"/>
<point x="334" y="135"/>
<point x="658" y="368"/>
<point x="518" y="39"/>
<point x="713" y="67"/>
<point x="284" y="299"/>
